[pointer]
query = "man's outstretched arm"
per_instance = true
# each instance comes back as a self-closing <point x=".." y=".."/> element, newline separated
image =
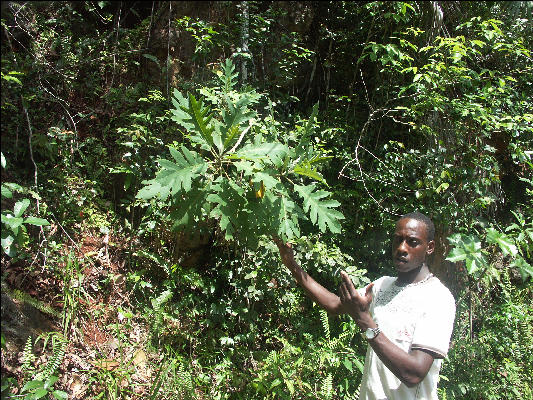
<point x="318" y="293"/>
<point x="410" y="367"/>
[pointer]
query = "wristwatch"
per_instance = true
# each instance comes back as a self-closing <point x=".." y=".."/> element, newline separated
<point x="371" y="333"/>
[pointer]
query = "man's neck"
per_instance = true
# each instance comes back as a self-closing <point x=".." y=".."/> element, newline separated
<point x="413" y="276"/>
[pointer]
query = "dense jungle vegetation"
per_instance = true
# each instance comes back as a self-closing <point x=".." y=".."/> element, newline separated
<point x="150" y="151"/>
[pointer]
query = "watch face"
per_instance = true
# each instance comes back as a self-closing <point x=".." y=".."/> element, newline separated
<point x="370" y="333"/>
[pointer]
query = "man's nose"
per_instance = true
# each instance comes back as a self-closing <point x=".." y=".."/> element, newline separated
<point x="402" y="247"/>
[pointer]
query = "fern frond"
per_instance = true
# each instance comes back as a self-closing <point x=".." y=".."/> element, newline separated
<point x="38" y="304"/>
<point x="28" y="357"/>
<point x="272" y="358"/>
<point x="354" y="395"/>
<point x="183" y="379"/>
<point x="325" y="323"/>
<point x="160" y="300"/>
<point x="59" y="346"/>
<point x="158" y="305"/>
<point x="326" y="389"/>
<point x="58" y="353"/>
<point x="229" y="77"/>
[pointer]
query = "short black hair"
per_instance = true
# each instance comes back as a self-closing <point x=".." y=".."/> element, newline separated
<point x="430" y="227"/>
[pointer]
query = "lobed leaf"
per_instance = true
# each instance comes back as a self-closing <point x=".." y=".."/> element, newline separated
<point x="200" y="117"/>
<point x="173" y="177"/>
<point x="275" y="152"/>
<point x="321" y="211"/>
<point x="228" y="203"/>
<point x="506" y="244"/>
<point x="288" y="226"/>
<point x="305" y="169"/>
<point x="187" y="207"/>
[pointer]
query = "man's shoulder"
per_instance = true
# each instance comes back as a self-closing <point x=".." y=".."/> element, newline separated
<point x="439" y="292"/>
<point x="384" y="282"/>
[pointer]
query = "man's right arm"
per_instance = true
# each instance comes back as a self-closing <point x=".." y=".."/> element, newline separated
<point x="318" y="293"/>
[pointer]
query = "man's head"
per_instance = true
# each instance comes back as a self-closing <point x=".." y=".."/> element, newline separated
<point x="413" y="241"/>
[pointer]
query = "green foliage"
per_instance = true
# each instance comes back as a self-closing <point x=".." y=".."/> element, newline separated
<point x="72" y="290"/>
<point x="26" y="298"/>
<point x="491" y="349"/>
<point x="159" y="314"/>
<point x="468" y="248"/>
<point x="243" y="182"/>
<point x="14" y="232"/>
<point x="41" y="381"/>
<point x="492" y="331"/>
<point x="441" y="124"/>
<point x="204" y="33"/>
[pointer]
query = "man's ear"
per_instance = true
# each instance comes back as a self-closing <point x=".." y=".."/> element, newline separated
<point x="431" y="247"/>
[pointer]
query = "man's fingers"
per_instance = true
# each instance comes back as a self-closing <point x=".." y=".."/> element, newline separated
<point x="342" y="291"/>
<point x="349" y="285"/>
<point x="369" y="289"/>
<point x="280" y="244"/>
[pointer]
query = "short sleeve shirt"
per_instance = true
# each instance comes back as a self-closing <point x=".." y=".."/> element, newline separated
<point x="414" y="316"/>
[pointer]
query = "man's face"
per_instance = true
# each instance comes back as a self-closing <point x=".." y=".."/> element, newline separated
<point x="410" y="246"/>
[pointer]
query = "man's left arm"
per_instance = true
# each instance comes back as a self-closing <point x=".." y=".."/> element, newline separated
<point x="409" y="367"/>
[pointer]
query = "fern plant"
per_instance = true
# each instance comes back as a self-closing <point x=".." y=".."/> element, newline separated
<point x="334" y="351"/>
<point x="59" y="345"/>
<point x="40" y="382"/>
<point x="28" y="358"/>
<point x="240" y="170"/>
<point x="159" y="314"/>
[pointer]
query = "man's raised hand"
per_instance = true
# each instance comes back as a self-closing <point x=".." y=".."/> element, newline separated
<point x="286" y="252"/>
<point x="354" y="304"/>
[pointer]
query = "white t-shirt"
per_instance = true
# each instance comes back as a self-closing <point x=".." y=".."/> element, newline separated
<point x="416" y="316"/>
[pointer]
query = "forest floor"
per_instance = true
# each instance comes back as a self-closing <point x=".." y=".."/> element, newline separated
<point x="107" y="348"/>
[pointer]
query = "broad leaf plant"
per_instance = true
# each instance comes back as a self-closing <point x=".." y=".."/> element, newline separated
<point x="239" y="171"/>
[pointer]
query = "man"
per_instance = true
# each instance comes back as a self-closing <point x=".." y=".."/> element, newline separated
<point x="407" y="320"/>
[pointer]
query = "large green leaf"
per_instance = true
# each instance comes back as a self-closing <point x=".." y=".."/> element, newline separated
<point x="229" y="202"/>
<point x="13" y="223"/>
<point x="505" y="242"/>
<point x="321" y="211"/>
<point x="233" y="118"/>
<point x="151" y="190"/>
<point x="288" y="219"/>
<point x="6" y="193"/>
<point x="7" y="244"/>
<point x="275" y="152"/>
<point x="526" y="270"/>
<point x="36" y="221"/>
<point x="186" y="207"/>
<point x="20" y="207"/>
<point x="178" y="113"/>
<point x="200" y="117"/>
<point x="174" y="176"/>
<point x="306" y="169"/>
<point x="467" y="248"/>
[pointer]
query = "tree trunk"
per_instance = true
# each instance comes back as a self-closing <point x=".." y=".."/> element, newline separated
<point x="244" y="40"/>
